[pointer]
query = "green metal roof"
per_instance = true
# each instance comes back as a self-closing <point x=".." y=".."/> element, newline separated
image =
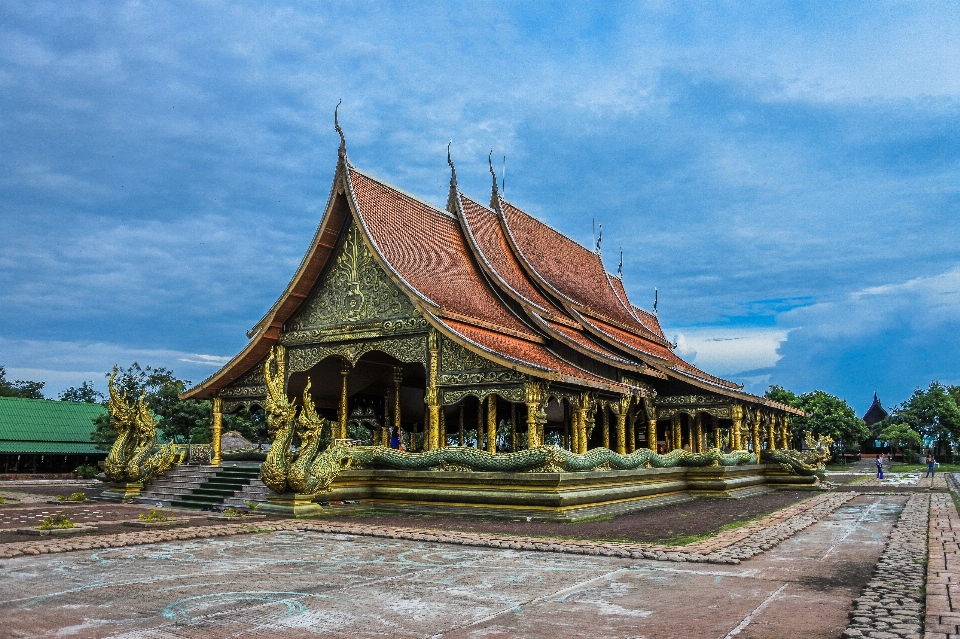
<point x="47" y="426"/>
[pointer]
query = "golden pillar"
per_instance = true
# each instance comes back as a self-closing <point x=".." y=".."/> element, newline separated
<point x="584" y="417"/>
<point x="698" y="425"/>
<point x="215" y="457"/>
<point x="606" y="425"/>
<point x="771" y="432"/>
<point x="533" y="396"/>
<point x="344" y="403"/>
<point x="576" y="421"/>
<point x="631" y="430"/>
<point x="397" y="380"/>
<point x="589" y="423"/>
<point x="651" y="409"/>
<point x="716" y="437"/>
<point x="755" y="430"/>
<point x="491" y="423"/>
<point x="785" y="432"/>
<point x="443" y="427"/>
<point x="620" y="409"/>
<point x="675" y="441"/>
<point x="431" y="435"/>
<point x="736" y="414"/>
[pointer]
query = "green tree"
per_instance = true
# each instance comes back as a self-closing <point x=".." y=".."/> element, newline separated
<point x="934" y="413"/>
<point x="86" y="394"/>
<point x="252" y="425"/>
<point x="827" y="415"/>
<point x="177" y="419"/>
<point x="901" y="436"/>
<point x="19" y="387"/>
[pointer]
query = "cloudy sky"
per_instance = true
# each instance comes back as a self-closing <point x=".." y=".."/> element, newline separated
<point x="786" y="174"/>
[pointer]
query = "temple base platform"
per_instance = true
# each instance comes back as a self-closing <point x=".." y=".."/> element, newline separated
<point x="540" y="496"/>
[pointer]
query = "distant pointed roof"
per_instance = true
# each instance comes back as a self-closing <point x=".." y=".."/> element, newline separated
<point x="875" y="413"/>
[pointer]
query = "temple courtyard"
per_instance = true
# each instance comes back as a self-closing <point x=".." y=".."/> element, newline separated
<point x="850" y="562"/>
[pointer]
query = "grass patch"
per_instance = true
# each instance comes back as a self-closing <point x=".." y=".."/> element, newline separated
<point x="231" y="512"/>
<point x="683" y="540"/>
<point x="910" y="468"/>
<point x="72" y="497"/>
<point x="154" y="517"/>
<point x="56" y="522"/>
<point x="587" y="520"/>
<point x="3" y="499"/>
<point x="839" y="467"/>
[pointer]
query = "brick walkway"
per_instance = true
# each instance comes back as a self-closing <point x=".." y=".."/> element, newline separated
<point x="943" y="570"/>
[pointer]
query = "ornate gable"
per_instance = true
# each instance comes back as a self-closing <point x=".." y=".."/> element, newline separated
<point x="354" y="299"/>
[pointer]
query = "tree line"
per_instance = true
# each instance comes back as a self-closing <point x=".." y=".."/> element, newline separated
<point x="928" y="420"/>
<point x="180" y="420"/>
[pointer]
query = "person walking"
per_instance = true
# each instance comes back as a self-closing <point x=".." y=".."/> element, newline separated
<point x="879" y="467"/>
<point x="931" y="466"/>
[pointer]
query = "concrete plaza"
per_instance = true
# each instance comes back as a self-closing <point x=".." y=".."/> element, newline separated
<point x="303" y="583"/>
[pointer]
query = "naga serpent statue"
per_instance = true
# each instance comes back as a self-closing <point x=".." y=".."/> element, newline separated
<point x="275" y="468"/>
<point x="805" y="462"/>
<point x="135" y="455"/>
<point x="122" y="415"/>
<point x="313" y="472"/>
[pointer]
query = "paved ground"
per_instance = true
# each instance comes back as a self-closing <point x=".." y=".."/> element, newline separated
<point x="294" y="584"/>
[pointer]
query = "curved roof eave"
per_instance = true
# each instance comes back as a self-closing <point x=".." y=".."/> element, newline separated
<point x="266" y="332"/>
<point x="528" y="368"/>
<point x="733" y="394"/>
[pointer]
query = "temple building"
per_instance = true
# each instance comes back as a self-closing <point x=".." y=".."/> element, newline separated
<point x="874" y="415"/>
<point x="479" y="325"/>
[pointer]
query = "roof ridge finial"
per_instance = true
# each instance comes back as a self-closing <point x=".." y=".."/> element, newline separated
<point x="453" y="169"/>
<point x="342" y="152"/>
<point x="496" y="192"/>
<point x="599" y="238"/>
<point x="454" y="195"/>
<point x="620" y="268"/>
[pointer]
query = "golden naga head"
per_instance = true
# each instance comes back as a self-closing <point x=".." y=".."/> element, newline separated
<point x="122" y="412"/>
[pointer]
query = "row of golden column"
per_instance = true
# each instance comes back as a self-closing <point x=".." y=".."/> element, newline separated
<point x="760" y="426"/>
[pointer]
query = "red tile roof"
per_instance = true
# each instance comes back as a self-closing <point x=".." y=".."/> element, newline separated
<point x="640" y="345"/>
<point x="484" y="225"/>
<point x="528" y="354"/>
<point x="463" y="272"/>
<point x="424" y="246"/>
<point x="570" y="269"/>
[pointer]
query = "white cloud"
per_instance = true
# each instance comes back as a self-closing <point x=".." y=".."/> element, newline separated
<point x="727" y="351"/>
<point x="914" y="307"/>
<point x="64" y="364"/>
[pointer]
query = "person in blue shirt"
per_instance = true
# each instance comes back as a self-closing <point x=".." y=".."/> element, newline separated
<point x="931" y="466"/>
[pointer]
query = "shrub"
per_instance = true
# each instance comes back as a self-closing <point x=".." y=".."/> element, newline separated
<point x="56" y="522"/>
<point x="86" y="472"/>
<point x="72" y="497"/>
<point x="154" y="516"/>
<point x="232" y="512"/>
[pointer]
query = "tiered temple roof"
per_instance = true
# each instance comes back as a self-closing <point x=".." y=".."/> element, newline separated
<point x="496" y="281"/>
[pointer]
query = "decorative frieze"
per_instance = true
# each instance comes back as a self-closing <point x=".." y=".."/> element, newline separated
<point x="513" y="393"/>
<point x="406" y="349"/>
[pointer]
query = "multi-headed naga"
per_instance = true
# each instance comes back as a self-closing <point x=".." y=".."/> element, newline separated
<point x="135" y="455"/>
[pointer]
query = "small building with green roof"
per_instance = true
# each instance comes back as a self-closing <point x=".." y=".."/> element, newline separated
<point x="47" y="436"/>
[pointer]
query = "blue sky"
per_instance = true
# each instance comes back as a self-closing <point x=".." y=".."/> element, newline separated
<point x="786" y="174"/>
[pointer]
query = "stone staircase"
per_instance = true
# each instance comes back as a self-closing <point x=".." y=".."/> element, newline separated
<point x="174" y="483"/>
<point x="253" y="493"/>
<point x="206" y="487"/>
